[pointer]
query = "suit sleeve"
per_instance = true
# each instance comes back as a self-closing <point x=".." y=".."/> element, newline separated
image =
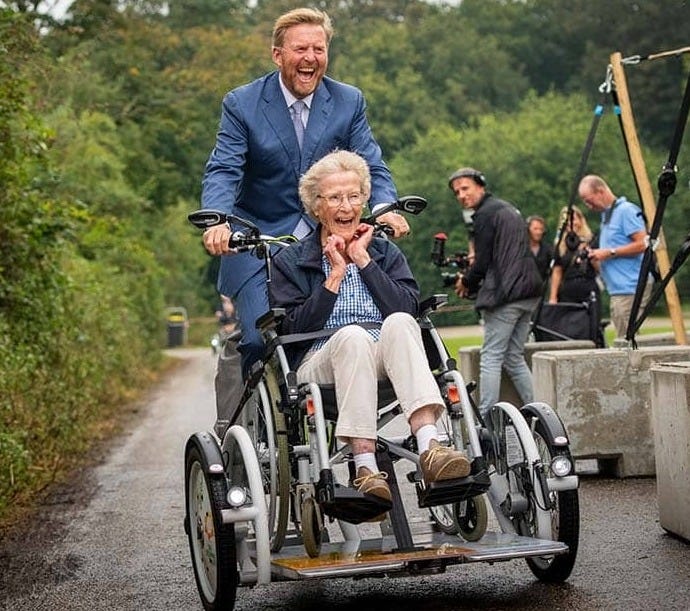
<point x="225" y="167"/>
<point x="363" y="143"/>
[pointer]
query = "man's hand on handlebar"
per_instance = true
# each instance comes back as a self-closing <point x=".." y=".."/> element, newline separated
<point x="217" y="240"/>
<point x="397" y="222"/>
<point x="460" y="289"/>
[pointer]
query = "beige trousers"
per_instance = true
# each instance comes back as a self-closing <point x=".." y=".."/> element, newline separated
<point x="621" y="306"/>
<point x="353" y="361"/>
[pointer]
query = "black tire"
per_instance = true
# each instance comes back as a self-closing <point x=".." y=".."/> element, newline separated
<point x="311" y="530"/>
<point x="467" y="518"/>
<point x="211" y="543"/>
<point x="565" y="516"/>
<point x="471" y="517"/>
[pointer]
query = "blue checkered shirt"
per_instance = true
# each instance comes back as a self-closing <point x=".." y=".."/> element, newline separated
<point x="354" y="304"/>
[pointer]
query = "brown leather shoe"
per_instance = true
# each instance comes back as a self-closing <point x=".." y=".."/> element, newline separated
<point x="372" y="483"/>
<point x="440" y="463"/>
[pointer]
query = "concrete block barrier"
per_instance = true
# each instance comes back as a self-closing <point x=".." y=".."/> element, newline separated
<point x="468" y="360"/>
<point x="670" y="396"/>
<point x="603" y="398"/>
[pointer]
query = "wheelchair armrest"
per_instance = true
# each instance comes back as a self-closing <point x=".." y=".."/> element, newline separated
<point x="433" y="303"/>
<point x="271" y="319"/>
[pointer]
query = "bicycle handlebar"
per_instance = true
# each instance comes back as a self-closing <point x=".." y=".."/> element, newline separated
<point x="243" y="241"/>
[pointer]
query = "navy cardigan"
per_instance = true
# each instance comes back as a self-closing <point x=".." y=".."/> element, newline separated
<point x="297" y="284"/>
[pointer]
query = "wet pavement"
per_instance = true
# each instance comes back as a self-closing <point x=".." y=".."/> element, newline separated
<point x="112" y="538"/>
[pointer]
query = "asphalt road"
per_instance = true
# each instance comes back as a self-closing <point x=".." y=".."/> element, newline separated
<point x="112" y="538"/>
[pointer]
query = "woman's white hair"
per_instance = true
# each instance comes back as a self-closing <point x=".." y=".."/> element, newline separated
<point x="333" y="163"/>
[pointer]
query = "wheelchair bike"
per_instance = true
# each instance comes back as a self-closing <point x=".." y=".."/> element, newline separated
<point x="267" y="498"/>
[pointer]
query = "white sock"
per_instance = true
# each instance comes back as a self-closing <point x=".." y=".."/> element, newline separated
<point x="424" y="436"/>
<point x="368" y="460"/>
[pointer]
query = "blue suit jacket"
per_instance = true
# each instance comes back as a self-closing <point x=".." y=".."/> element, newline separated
<point x="255" y="166"/>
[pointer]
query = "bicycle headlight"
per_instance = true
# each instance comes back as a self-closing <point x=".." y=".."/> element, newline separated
<point x="561" y="466"/>
<point x="237" y="496"/>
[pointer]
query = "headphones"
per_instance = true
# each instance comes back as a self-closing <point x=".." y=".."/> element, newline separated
<point x="475" y="175"/>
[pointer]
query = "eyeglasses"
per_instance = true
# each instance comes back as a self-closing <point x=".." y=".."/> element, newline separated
<point x="334" y="200"/>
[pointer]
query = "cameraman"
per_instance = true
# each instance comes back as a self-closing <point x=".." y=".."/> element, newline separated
<point x="507" y="282"/>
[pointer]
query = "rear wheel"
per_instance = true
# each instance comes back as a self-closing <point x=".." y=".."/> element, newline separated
<point x="565" y="511"/>
<point x="211" y="543"/>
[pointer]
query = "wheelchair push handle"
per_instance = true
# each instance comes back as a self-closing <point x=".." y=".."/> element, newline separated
<point x="241" y="240"/>
<point x="412" y="204"/>
<point x="250" y="236"/>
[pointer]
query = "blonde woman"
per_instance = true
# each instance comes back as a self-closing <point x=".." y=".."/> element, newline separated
<point x="574" y="276"/>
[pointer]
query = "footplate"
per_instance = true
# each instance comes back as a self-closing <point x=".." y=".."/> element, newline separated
<point x="452" y="490"/>
<point x="374" y="558"/>
<point x="352" y="506"/>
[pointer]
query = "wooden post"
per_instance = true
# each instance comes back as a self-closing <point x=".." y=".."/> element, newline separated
<point x="648" y="202"/>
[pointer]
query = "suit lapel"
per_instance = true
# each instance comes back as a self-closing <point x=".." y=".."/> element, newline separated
<point x="278" y="116"/>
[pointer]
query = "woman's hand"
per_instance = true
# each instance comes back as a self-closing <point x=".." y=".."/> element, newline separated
<point x="334" y="250"/>
<point x="357" y="248"/>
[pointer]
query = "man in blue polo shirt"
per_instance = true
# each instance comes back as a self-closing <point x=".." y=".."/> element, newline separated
<point x="622" y="242"/>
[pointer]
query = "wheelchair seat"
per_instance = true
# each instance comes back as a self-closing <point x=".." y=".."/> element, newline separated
<point x="386" y="396"/>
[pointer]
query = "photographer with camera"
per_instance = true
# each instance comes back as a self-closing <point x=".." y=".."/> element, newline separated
<point x="574" y="275"/>
<point x="505" y="277"/>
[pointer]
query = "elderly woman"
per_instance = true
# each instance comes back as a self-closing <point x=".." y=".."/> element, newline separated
<point x="342" y="275"/>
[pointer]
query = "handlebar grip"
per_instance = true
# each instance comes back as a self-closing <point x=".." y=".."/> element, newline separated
<point x="385" y="229"/>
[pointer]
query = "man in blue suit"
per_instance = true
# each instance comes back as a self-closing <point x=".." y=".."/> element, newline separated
<point x="264" y="145"/>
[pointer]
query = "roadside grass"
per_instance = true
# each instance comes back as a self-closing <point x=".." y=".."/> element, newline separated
<point x="201" y="330"/>
<point x="453" y="344"/>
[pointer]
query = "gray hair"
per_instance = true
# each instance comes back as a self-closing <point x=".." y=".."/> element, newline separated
<point x="592" y="182"/>
<point x="333" y="163"/>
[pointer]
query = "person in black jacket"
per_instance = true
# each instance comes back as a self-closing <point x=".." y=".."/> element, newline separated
<point x="507" y="282"/>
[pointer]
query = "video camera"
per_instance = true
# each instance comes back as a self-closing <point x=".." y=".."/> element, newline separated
<point x="579" y="246"/>
<point x="460" y="260"/>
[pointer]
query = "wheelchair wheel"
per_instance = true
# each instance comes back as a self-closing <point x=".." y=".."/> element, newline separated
<point x="467" y="518"/>
<point x="444" y="518"/>
<point x="211" y="543"/>
<point x="564" y="512"/>
<point x="312" y="522"/>
<point x="472" y="518"/>
<point x="266" y="427"/>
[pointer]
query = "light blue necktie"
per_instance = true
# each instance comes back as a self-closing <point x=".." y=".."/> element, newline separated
<point x="296" y="111"/>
